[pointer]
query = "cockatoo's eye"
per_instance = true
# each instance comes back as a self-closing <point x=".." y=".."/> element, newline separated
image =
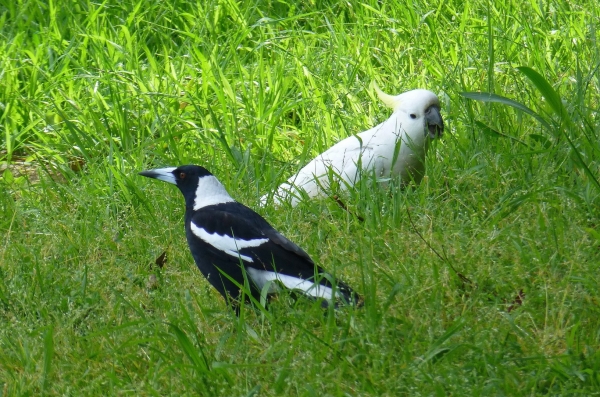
<point x="413" y="116"/>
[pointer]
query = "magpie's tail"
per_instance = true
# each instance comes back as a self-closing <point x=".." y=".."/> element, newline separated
<point x="348" y="296"/>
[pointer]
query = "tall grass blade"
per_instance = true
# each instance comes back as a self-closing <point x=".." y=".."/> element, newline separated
<point x="198" y="360"/>
<point x="548" y="92"/>
<point x="494" y="98"/>
<point x="48" y="355"/>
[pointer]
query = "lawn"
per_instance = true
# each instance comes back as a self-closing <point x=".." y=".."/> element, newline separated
<point x="484" y="280"/>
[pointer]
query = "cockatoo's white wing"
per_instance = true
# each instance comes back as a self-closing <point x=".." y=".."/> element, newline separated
<point x="342" y="163"/>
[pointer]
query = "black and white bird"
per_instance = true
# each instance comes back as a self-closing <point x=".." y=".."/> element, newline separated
<point x="231" y="243"/>
<point x="396" y="147"/>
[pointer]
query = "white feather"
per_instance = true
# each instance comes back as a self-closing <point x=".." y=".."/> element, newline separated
<point x="371" y="150"/>
<point x="210" y="192"/>
<point x="262" y="277"/>
<point x="228" y="245"/>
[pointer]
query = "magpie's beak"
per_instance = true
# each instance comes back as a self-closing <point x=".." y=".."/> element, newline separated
<point x="434" y="121"/>
<point x="163" y="174"/>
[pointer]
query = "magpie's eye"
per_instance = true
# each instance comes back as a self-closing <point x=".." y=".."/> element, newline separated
<point x="182" y="175"/>
<point x="413" y="116"/>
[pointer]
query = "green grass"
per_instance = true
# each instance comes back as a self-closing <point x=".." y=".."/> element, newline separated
<point x="92" y="92"/>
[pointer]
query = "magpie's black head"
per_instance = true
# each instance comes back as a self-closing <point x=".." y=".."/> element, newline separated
<point x="186" y="177"/>
<point x="197" y="184"/>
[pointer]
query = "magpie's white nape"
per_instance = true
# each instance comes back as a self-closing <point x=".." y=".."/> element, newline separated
<point x="231" y="243"/>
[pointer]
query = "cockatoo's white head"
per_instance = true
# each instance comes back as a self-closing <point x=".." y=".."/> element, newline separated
<point x="421" y="107"/>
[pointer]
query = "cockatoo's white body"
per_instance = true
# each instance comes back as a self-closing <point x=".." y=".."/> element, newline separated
<point x="396" y="147"/>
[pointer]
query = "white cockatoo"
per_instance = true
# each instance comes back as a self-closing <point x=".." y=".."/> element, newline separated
<point x="396" y="147"/>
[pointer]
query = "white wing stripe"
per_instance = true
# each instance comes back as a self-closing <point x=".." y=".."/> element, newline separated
<point x="229" y="245"/>
<point x="261" y="277"/>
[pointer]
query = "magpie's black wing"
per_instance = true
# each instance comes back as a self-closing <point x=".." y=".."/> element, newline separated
<point x="259" y="245"/>
<point x="234" y="220"/>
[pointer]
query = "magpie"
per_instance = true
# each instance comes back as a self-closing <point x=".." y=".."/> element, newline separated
<point x="231" y="243"/>
<point x="396" y="147"/>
